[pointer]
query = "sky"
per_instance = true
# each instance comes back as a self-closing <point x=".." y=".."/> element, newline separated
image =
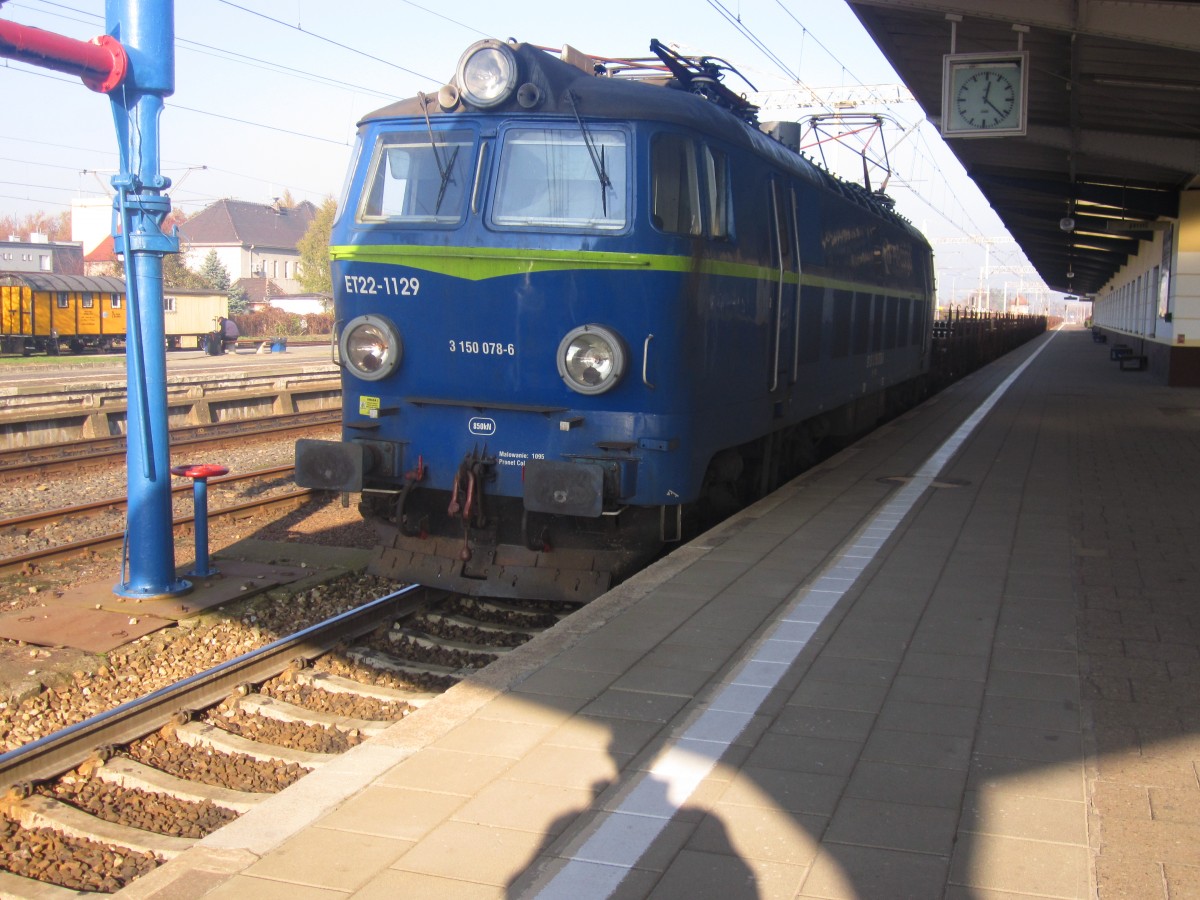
<point x="268" y="93"/>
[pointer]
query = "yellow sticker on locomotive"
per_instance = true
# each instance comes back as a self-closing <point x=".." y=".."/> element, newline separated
<point x="368" y="406"/>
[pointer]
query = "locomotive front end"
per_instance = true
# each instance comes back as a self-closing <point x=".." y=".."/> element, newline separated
<point x="484" y="298"/>
<point x="580" y="317"/>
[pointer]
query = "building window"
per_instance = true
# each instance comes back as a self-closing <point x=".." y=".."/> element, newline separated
<point x="169" y="304"/>
<point x="116" y="301"/>
<point x="87" y="301"/>
<point x="285" y="268"/>
<point x="45" y="264"/>
<point x="63" y="300"/>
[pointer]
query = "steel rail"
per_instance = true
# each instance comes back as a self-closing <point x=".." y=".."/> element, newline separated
<point x="51" y="756"/>
<point x="47" y="458"/>
<point x="41" y="519"/>
<point x="115" y="539"/>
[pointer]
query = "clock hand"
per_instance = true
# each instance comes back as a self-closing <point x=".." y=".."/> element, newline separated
<point x="994" y="106"/>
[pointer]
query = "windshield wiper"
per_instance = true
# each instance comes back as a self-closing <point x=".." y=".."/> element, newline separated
<point x="443" y="170"/>
<point x="445" y="181"/>
<point x="597" y="158"/>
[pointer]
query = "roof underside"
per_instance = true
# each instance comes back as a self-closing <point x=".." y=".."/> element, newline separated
<point x="1114" y="118"/>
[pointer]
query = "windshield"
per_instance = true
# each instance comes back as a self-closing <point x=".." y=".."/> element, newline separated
<point x="550" y="178"/>
<point x="418" y="178"/>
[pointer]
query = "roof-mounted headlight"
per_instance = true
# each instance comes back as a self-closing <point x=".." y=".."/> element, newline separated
<point x="371" y="347"/>
<point x="591" y="359"/>
<point x="487" y="73"/>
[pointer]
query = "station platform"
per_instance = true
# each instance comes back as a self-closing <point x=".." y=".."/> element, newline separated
<point x="958" y="659"/>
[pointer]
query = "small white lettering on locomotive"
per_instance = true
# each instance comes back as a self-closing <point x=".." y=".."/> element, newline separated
<point x="483" y="348"/>
<point x="509" y="458"/>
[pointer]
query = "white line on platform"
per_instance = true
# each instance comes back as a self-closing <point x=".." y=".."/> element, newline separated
<point x="620" y="837"/>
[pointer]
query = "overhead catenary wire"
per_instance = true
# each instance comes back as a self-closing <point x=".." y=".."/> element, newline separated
<point x="328" y="40"/>
<point x="60" y="11"/>
<point x="951" y="209"/>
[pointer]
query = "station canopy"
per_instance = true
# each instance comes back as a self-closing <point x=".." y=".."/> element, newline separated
<point x="1113" y="127"/>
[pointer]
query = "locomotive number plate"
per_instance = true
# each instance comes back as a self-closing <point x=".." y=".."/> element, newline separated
<point x="388" y="286"/>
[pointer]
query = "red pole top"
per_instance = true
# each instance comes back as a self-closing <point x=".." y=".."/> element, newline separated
<point x="199" y="470"/>
<point x="100" y="62"/>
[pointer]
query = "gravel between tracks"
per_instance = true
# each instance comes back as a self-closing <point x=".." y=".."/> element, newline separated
<point x="322" y="520"/>
<point x="43" y="689"/>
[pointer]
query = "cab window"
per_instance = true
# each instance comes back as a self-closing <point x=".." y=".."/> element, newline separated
<point x="416" y="178"/>
<point x="716" y="191"/>
<point x="562" y="178"/>
<point x="675" y="204"/>
<point x="691" y="193"/>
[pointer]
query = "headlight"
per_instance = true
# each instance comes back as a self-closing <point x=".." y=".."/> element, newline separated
<point x="591" y="359"/>
<point x="487" y="73"/>
<point x="370" y="345"/>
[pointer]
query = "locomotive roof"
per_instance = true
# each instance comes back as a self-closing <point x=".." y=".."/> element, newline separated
<point x="42" y="281"/>
<point x="602" y="97"/>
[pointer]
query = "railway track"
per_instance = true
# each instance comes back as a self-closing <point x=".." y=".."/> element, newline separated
<point x="46" y="459"/>
<point x="25" y="526"/>
<point x="189" y="757"/>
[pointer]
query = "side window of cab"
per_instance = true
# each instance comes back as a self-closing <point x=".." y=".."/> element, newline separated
<point x="690" y="187"/>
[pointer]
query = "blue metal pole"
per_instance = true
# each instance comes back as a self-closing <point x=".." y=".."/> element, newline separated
<point x="134" y="63"/>
<point x="146" y="29"/>
<point x="200" y="520"/>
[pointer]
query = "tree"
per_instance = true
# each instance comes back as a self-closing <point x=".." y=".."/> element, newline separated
<point x="315" y="276"/>
<point x="239" y="300"/>
<point x="213" y="272"/>
<point x="114" y="269"/>
<point x="56" y="226"/>
<point x="177" y="275"/>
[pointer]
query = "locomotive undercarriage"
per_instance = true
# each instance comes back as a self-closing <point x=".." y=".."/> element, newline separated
<point x="509" y="551"/>
<point x="738" y="476"/>
<point x="465" y="540"/>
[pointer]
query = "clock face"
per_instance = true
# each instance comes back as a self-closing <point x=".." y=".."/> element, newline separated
<point x="983" y="94"/>
<point x="986" y="98"/>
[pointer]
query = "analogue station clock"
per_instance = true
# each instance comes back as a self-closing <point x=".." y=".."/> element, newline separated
<point x="984" y="94"/>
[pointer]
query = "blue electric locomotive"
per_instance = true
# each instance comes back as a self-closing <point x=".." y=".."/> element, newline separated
<point x="577" y="313"/>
